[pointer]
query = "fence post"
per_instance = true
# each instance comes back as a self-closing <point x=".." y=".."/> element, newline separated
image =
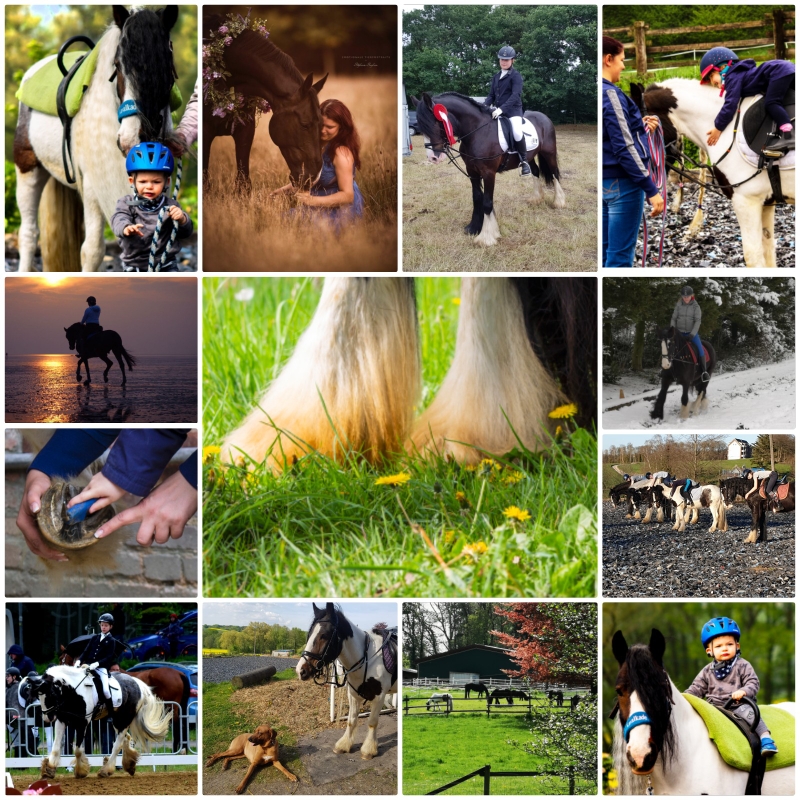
<point x="572" y="780"/>
<point x="779" y="33"/>
<point x="487" y="779"/>
<point x="405" y="701"/>
<point x="640" y="45"/>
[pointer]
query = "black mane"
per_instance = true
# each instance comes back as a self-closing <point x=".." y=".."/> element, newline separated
<point x="480" y="106"/>
<point x="264" y="50"/>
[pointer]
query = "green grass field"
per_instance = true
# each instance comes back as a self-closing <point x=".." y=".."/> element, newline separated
<point x="321" y="530"/>
<point x="438" y="749"/>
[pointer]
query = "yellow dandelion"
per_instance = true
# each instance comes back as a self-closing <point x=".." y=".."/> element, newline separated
<point x="209" y="453"/>
<point x="470" y="468"/>
<point x="463" y="501"/>
<point x="475" y="550"/>
<point x="449" y="536"/>
<point x="559" y="431"/>
<point x="393" y="480"/>
<point x="513" y="478"/>
<point x="456" y="301"/>
<point x="512" y="512"/>
<point x="564" y="412"/>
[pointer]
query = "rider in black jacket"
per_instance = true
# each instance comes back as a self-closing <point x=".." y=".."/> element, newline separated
<point x="99" y="654"/>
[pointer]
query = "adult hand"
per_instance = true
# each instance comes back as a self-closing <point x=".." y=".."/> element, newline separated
<point x="651" y="123"/>
<point x="304" y="198"/>
<point x="496" y="113"/>
<point x="36" y="484"/>
<point x="101" y="489"/>
<point x="713" y="136"/>
<point x="162" y="515"/>
<point x="657" y="201"/>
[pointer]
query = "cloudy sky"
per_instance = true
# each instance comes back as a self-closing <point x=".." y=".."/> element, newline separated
<point x="296" y="614"/>
<point x="153" y="315"/>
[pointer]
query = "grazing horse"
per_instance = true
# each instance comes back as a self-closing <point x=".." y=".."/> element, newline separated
<point x="98" y="346"/>
<point x="472" y="125"/>
<point x="481" y="689"/>
<point x="523" y="347"/>
<point x="661" y="744"/>
<point x="703" y="497"/>
<point x="556" y="697"/>
<point x="257" y="68"/>
<point x="133" y="76"/>
<point x="68" y="696"/>
<point x="370" y="665"/>
<point x="734" y="487"/>
<point x="439" y="698"/>
<point x="678" y="365"/>
<point x="508" y="694"/>
<point x="692" y="108"/>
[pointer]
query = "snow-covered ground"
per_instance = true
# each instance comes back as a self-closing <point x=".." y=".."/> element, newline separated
<point x="762" y="397"/>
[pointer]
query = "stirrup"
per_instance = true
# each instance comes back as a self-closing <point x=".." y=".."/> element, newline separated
<point x="526" y="168"/>
<point x="705" y="377"/>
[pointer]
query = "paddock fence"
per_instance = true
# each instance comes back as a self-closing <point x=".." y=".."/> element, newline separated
<point x="487" y="774"/>
<point x="776" y="29"/>
<point x="446" y="706"/>
<point x="28" y="739"/>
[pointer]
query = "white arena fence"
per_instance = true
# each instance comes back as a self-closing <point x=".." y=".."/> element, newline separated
<point x="26" y="742"/>
<point x="494" y="683"/>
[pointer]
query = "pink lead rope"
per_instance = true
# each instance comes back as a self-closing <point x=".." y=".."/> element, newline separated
<point x="658" y="172"/>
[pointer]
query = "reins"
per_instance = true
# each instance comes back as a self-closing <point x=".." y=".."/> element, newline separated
<point x="449" y="150"/>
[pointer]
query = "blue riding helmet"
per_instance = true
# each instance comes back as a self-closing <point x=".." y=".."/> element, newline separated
<point x="626" y="477"/>
<point x="150" y="157"/>
<point x="719" y="626"/>
<point x="715" y="58"/>
<point x="506" y="52"/>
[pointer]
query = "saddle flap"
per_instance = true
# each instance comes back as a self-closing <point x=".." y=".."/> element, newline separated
<point x="389" y="649"/>
<point x="505" y="135"/>
<point x="757" y="124"/>
<point x="732" y="745"/>
<point x="781" y="488"/>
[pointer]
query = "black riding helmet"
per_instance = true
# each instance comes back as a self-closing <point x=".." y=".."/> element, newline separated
<point x="14" y="672"/>
<point x="687" y="291"/>
<point x="106" y="618"/>
<point x="506" y="52"/>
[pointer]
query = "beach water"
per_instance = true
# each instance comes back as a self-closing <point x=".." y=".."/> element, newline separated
<point x="43" y="388"/>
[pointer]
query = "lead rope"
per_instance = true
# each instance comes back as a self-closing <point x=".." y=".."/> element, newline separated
<point x="151" y="261"/>
<point x="658" y="173"/>
<point x="649" y="791"/>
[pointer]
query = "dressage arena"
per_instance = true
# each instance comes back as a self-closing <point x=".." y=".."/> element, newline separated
<point x="437" y="204"/>
<point x="646" y="560"/>
<point x="144" y="782"/>
<point x="257" y="233"/>
<point x="718" y="243"/>
<point x="440" y="747"/>
<point x="300" y="713"/>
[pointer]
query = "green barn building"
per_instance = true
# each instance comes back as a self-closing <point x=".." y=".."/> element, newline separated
<point x="467" y="664"/>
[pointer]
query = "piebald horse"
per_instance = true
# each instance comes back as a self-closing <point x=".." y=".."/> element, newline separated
<point x="704" y="497"/>
<point x="661" y="744"/>
<point x="333" y="637"/>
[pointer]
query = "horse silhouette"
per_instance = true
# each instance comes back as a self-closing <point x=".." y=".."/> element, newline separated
<point x="98" y="346"/>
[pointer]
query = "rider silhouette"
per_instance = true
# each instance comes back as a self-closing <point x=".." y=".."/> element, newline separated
<point x="90" y="321"/>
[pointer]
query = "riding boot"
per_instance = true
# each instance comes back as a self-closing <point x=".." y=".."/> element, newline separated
<point x="522" y="150"/>
<point x="705" y="376"/>
<point x="110" y="706"/>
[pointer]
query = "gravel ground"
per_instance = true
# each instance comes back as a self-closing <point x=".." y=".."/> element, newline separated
<point x="655" y="561"/>
<point x="218" y="670"/>
<point x="719" y="242"/>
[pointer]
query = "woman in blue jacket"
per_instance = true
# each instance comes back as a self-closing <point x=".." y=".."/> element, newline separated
<point x="626" y="158"/>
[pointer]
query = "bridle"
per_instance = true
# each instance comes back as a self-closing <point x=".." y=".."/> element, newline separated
<point x="55" y="690"/>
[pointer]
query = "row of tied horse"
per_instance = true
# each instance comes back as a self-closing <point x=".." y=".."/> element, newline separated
<point x="669" y="504"/>
<point x="508" y="694"/>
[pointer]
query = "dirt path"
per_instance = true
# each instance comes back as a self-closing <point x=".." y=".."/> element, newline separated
<point x="144" y="782"/>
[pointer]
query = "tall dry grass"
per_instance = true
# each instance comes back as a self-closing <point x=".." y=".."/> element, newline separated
<point x="437" y="204"/>
<point x="259" y="234"/>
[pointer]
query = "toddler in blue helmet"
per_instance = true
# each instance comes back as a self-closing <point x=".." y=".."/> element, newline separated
<point x="729" y="676"/>
<point x="736" y="78"/>
<point x="135" y="219"/>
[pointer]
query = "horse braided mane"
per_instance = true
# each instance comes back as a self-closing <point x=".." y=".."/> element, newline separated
<point x="146" y="56"/>
<point x="651" y="683"/>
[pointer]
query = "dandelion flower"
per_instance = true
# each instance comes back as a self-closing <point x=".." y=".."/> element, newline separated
<point x="393" y="480"/>
<point x="514" y="477"/>
<point x="476" y="550"/>
<point x="512" y="512"/>
<point x="463" y="501"/>
<point x="559" y="431"/>
<point x="456" y="301"/>
<point x="564" y="412"/>
<point x="209" y="453"/>
<point x="449" y="536"/>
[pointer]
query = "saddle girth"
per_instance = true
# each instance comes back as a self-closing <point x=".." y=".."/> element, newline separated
<point x="759" y="763"/>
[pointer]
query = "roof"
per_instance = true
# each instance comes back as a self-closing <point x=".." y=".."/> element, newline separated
<point x="739" y="441"/>
<point x="487" y="647"/>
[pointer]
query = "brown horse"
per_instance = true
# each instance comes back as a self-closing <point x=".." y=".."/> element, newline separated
<point x="168" y="684"/>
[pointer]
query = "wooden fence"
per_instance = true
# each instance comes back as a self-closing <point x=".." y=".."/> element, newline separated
<point x="487" y="774"/>
<point x="774" y="27"/>
<point x="447" y="706"/>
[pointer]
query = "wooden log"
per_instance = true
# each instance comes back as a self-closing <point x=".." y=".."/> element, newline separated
<point x="254" y="678"/>
<point x="725" y="26"/>
<point x="677" y="48"/>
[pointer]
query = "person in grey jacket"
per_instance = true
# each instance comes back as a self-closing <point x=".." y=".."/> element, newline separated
<point x="729" y="676"/>
<point x="135" y="219"/>
<point x="686" y="318"/>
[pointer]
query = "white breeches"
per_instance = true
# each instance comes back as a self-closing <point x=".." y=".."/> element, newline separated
<point x="516" y="127"/>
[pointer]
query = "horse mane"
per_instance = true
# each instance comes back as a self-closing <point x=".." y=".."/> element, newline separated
<point x="652" y="685"/>
<point x="482" y="108"/>
<point x="264" y="50"/>
<point x="150" y="65"/>
<point x="343" y="626"/>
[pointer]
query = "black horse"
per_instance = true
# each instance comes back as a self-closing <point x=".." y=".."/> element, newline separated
<point x="476" y="131"/>
<point x="556" y="697"/>
<point x="98" y="346"/>
<point x="508" y="695"/>
<point x="260" y="69"/>
<point x="480" y="688"/>
<point x="679" y="364"/>
<point x="739" y="487"/>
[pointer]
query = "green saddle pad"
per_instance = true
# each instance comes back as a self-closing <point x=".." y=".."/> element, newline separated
<point x="733" y="746"/>
<point x="39" y="91"/>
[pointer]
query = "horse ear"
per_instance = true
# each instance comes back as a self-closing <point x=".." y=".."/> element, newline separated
<point x="306" y="87"/>
<point x="65" y="329"/>
<point x="329" y="609"/>
<point x="658" y="644"/>
<point x="120" y="15"/>
<point x="169" y="16"/>
<point x="426" y="98"/>
<point x="414" y="101"/>
<point x="317" y="87"/>
<point x="619" y="647"/>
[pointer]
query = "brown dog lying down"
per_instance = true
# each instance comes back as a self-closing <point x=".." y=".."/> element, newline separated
<point x="259" y="748"/>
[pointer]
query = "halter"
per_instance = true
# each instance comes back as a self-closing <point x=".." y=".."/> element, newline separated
<point x="57" y="707"/>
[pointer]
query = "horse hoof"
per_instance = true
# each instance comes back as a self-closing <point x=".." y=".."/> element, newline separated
<point x="105" y="378"/>
<point x="87" y="383"/>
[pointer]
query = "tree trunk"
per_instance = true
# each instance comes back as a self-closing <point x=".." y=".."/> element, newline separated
<point x="638" y="347"/>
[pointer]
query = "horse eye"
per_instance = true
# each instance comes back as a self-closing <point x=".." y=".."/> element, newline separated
<point x="619" y="692"/>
